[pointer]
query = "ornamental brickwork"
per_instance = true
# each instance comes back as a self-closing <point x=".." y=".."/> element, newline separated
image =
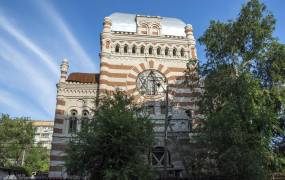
<point x="135" y="51"/>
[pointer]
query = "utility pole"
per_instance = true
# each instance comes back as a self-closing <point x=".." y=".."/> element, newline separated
<point x="165" y="133"/>
<point x="23" y="157"/>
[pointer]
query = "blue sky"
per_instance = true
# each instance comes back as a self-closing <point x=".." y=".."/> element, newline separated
<point x="36" y="35"/>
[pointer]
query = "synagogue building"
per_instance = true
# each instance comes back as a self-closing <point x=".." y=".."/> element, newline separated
<point x="146" y="57"/>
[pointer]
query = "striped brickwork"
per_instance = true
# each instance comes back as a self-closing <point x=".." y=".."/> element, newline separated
<point x="119" y="69"/>
<point x="57" y="149"/>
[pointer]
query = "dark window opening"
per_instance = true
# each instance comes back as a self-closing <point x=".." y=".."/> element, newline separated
<point x="162" y="109"/>
<point x="85" y="118"/>
<point x="150" y="109"/>
<point x="166" y="51"/>
<point x="182" y="52"/>
<point x="150" y="50"/>
<point x="158" y="51"/>
<point x="126" y="49"/>
<point x="134" y="49"/>
<point x="142" y="50"/>
<point x="73" y="122"/>
<point x="117" y="48"/>
<point x="174" y="52"/>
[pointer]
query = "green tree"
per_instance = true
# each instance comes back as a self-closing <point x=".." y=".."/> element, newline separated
<point x="17" y="148"/>
<point x="243" y="95"/>
<point x="36" y="160"/>
<point x="114" y="144"/>
<point x="16" y="136"/>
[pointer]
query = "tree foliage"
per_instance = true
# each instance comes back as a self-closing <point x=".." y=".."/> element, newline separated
<point x="15" y="136"/>
<point x="243" y="95"/>
<point x="17" y="148"/>
<point x="114" y="144"/>
<point x="37" y="160"/>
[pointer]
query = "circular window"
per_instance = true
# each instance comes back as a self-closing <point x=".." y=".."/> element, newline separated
<point x="151" y="82"/>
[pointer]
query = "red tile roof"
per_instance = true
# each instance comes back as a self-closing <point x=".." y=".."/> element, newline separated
<point x="83" y="77"/>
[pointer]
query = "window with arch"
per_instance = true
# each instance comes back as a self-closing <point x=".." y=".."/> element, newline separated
<point x="144" y="29"/>
<point x="84" y="118"/>
<point x="117" y="48"/>
<point x="142" y="50"/>
<point x="155" y="30"/>
<point x="158" y="51"/>
<point x="150" y="50"/>
<point x="182" y="52"/>
<point x="73" y="121"/>
<point x="151" y="82"/>
<point x="166" y="52"/>
<point x="174" y="52"/>
<point x="126" y="48"/>
<point x="134" y="49"/>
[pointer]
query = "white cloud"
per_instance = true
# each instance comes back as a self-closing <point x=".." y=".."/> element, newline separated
<point x="68" y="35"/>
<point x="8" y="99"/>
<point x="40" y="86"/>
<point x="17" y="107"/>
<point x="19" y="36"/>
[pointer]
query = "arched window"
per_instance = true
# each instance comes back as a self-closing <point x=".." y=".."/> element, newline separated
<point x="158" y="51"/>
<point x="166" y="51"/>
<point x="126" y="48"/>
<point x="134" y="49"/>
<point x="144" y="29"/>
<point x="72" y="121"/>
<point x="85" y="118"/>
<point x="174" y="52"/>
<point x="117" y="48"/>
<point x="182" y="52"/>
<point x="155" y="30"/>
<point x="150" y="50"/>
<point x="142" y="50"/>
<point x="151" y="82"/>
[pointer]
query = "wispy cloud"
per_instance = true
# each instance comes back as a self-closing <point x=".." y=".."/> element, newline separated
<point x="68" y="35"/>
<point x="39" y="85"/>
<point x="18" y="106"/>
<point x="9" y="100"/>
<point x="26" y="41"/>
